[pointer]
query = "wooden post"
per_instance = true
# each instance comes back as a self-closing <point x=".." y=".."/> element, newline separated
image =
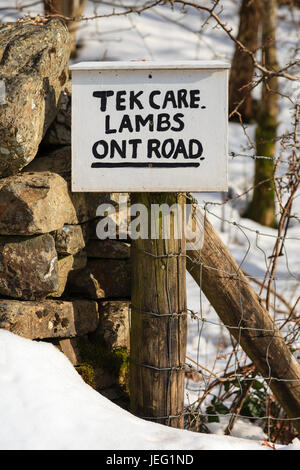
<point x="158" y="321"/>
<point x="242" y="311"/>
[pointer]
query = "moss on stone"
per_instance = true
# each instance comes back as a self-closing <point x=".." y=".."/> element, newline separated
<point x="87" y="372"/>
<point x="94" y="353"/>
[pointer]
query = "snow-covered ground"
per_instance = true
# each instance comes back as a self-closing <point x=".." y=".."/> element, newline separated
<point x="44" y="403"/>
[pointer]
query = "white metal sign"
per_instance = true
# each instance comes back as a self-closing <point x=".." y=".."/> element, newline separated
<point x="148" y="126"/>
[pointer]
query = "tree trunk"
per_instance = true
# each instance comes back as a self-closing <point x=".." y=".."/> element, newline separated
<point x="68" y="9"/>
<point x="158" y="322"/>
<point x="242" y="312"/>
<point x="242" y="68"/>
<point x="262" y="206"/>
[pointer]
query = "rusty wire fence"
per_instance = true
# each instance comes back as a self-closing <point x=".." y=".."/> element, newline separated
<point x="223" y="387"/>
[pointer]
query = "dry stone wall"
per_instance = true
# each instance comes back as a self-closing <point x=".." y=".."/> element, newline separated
<point x="58" y="281"/>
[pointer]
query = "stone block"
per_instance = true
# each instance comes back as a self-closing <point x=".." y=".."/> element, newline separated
<point x="49" y="318"/>
<point x="34" y="69"/>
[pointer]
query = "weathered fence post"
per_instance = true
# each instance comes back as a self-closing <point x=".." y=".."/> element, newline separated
<point x="158" y="320"/>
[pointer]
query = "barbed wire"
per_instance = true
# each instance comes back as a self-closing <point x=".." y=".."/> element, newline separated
<point x="263" y="157"/>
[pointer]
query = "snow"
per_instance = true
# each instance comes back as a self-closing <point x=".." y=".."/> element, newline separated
<point x="44" y="404"/>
